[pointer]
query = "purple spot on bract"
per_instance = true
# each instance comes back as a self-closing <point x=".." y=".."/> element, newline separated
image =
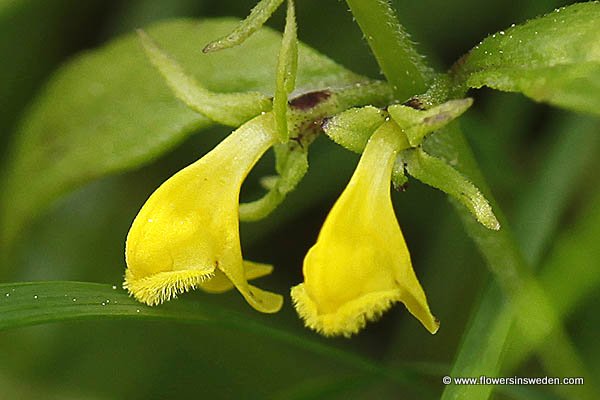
<point x="415" y="103"/>
<point x="310" y="100"/>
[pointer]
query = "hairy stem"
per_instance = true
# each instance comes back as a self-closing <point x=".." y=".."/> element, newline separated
<point x="403" y="67"/>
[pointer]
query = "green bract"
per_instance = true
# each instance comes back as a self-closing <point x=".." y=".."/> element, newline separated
<point x="437" y="173"/>
<point x="418" y="123"/>
<point x="353" y="128"/>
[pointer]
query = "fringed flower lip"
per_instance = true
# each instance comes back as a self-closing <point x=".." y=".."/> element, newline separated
<point x="187" y="233"/>
<point x="360" y="265"/>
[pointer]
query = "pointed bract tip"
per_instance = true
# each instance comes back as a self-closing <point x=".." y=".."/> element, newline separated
<point x="211" y="47"/>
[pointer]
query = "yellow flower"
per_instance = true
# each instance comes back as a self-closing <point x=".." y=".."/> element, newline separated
<point x="360" y="265"/>
<point x="187" y="233"/>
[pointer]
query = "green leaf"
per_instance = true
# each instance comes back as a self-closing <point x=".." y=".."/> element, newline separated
<point x="30" y="303"/>
<point x="437" y="173"/>
<point x="231" y="109"/>
<point x="553" y="59"/>
<point x="109" y="110"/>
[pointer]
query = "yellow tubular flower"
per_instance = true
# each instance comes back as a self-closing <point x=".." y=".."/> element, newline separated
<point x="187" y="233"/>
<point x="360" y="265"/>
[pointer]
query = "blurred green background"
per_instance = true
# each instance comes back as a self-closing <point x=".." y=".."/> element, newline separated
<point x="534" y="157"/>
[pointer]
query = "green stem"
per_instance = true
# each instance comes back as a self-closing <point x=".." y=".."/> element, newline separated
<point x="403" y="67"/>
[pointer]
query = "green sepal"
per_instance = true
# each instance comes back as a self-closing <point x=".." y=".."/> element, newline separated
<point x="435" y="172"/>
<point x="231" y="109"/>
<point x="353" y="128"/>
<point x="418" y="123"/>
<point x="257" y="17"/>
<point x="287" y="66"/>
<point x="399" y="178"/>
<point x="291" y="165"/>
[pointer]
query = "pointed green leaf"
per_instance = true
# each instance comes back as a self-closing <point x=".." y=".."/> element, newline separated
<point x="437" y="173"/>
<point x="109" y="110"/>
<point x="231" y="109"/>
<point x="287" y="67"/>
<point x="553" y="59"/>
<point x="254" y="21"/>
